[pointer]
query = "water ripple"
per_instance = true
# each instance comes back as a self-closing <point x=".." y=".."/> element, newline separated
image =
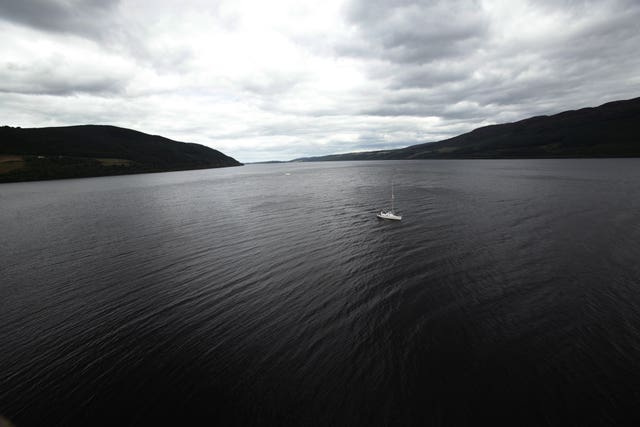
<point x="508" y="292"/>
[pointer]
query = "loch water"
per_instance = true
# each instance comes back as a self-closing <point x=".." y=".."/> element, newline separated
<point x="271" y="294"/>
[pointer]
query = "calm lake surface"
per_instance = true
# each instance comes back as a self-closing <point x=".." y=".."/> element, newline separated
<point x="510" y="292"/>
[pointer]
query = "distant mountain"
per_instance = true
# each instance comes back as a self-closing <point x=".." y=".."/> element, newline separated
<point x="610" y="130"/>
<point x="92" y="150"/>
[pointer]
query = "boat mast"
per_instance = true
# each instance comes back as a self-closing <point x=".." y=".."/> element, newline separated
<point x="392" y="198"/>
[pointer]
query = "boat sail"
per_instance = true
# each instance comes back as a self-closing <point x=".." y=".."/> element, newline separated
<point x="390" y="214"/>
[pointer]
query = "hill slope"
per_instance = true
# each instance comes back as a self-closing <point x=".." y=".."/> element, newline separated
<point x="610" y="130"/>
<point x="93" y="150"/>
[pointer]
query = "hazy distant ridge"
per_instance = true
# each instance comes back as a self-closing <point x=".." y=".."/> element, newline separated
<point x="610" y="130"/>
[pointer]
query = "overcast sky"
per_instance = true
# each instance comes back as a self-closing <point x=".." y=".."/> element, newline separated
<point x="262" y="80"/>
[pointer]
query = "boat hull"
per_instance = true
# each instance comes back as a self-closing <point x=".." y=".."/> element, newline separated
<point x="389" y="216"/>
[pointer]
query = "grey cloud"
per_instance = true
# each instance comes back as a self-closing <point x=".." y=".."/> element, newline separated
<point x="578" y="6"/>
<point x="28" y="110"/>
<point x="452" y="60"/>
<point x="46" y="78"/>
<point x="414" y="32"/>
<point x="273" y="83"/>
<point x="460" y="111"/>
<point x="88" y="18"/>
<point x="100" y="21"/>
<point x="421" y="76"/>
<point x="508" y="79"/>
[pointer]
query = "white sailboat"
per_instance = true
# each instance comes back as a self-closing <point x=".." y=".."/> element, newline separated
<point x="390" y="214"/>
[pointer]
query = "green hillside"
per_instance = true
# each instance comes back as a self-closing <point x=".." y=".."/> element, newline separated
<point x="610" y="130"/>
<point x="93" y="150"/>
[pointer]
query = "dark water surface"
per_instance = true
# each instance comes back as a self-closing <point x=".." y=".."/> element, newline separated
<point x="510" y="292"/>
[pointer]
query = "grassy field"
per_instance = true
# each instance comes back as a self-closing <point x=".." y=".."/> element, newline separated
<point x="36" y="167"/>
<point x="9" y="158"/>
<point x="10" y="163"/>
<point x="114" y="162"/>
